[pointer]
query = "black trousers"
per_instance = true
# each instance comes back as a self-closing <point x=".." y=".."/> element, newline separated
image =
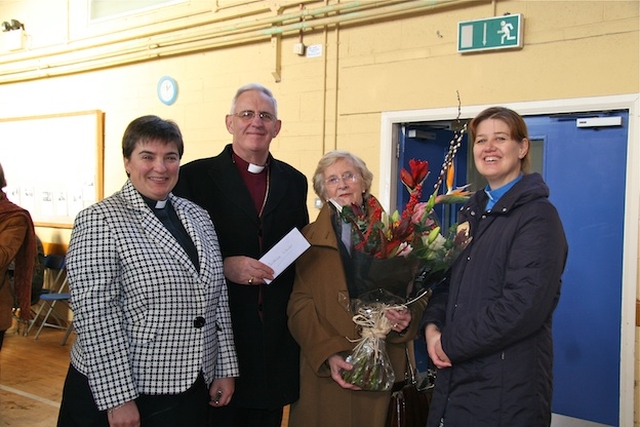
<point x="78" y="408"/>
<point x="230" y="416"/>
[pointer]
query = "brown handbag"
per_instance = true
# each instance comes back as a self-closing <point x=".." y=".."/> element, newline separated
<point x="410" y="399"/>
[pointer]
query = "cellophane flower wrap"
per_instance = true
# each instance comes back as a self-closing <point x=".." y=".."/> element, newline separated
<point x="396" y="260"/>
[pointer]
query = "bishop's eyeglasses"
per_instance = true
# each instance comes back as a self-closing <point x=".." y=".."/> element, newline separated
<point x="249" y="115"/>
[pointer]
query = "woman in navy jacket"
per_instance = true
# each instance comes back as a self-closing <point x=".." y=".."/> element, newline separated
<point x="489" y="331"/>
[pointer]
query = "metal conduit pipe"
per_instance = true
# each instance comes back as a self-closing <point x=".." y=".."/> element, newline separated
<point x="198" y="27"/>
<point x="120" y="56"/>
<point x="360" y="14"/>
<point x="274" y="22"/>
<point x="347" y="18"/>
<point x="117" y="54"/>
<point x="150" y="49"/>
<point x="248" y="31"/>
<point x="39" y="60"/>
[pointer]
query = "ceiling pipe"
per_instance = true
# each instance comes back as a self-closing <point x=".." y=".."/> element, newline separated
<point x="150" y="48"/>
<point x="169" y="45"/>
<point x="145" y="52"/>
<point x="167" y="30"/>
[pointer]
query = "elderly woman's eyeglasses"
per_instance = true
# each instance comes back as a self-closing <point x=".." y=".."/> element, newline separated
<point x="248" y="115"/>
<point x="347" y="177"/>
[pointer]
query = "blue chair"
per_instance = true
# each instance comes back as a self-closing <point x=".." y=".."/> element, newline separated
<point x="53" y="271"/>
<point x="56" y="279"/>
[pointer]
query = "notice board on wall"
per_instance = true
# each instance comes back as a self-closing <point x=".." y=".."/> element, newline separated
<point x="53" y="164"/>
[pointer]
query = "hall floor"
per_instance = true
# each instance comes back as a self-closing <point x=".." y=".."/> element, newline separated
<point x="32" y="373"/>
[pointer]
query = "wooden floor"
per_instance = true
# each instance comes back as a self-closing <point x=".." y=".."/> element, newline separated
<point x="32" y="374"/>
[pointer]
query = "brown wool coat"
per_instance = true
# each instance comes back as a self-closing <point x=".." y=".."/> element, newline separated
<point x="12" y="232"/>
<point x="322" y="325"/>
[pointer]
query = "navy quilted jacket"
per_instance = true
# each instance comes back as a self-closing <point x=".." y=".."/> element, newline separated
<point x="496" y="313"/>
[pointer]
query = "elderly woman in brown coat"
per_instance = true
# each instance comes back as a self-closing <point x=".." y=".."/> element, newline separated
<point x="320" y="318"/>
<point x="17" y="242"/>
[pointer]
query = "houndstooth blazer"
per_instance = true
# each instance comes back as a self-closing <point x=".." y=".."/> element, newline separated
<point x="138" y="300"/>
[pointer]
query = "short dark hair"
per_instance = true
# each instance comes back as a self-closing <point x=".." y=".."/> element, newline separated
<point x="517" y="126"/>
<point x="151" y="128"/>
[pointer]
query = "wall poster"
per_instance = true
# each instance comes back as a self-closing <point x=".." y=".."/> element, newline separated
<point x="53" y="164"/>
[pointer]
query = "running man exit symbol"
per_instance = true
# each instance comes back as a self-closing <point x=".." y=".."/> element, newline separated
<point x="500" y="32"/>
<point x="506" y="28"/>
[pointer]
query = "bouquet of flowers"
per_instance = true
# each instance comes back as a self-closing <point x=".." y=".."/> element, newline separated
<point x="396" y="260"/>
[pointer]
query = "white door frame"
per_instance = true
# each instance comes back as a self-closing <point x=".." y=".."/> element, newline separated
<point x="388" y="183"/>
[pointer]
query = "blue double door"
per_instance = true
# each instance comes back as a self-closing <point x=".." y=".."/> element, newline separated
<point x="584" y="167"/>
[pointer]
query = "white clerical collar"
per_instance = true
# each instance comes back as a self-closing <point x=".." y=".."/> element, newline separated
<point x="160" y="204"/>
<point x="253" y="168"/>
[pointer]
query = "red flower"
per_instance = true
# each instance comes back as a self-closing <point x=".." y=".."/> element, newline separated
<point x="419" y="171"/>
<point x="414" y="198"/>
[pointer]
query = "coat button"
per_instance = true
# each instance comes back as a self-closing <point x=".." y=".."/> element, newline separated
<point x="199" y="322"/>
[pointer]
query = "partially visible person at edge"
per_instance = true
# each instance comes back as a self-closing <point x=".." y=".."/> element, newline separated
<point x="155" y="343"/>
<point x="17" y="242"/>
<point x="320" y="318"/>
<point x="254" y="200"/>
<point x="489" y="331"/>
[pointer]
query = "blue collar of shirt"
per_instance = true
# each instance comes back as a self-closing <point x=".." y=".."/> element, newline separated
<point x="494" y="195"/>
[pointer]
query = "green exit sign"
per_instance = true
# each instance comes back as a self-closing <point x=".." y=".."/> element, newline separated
<point x="500" y="32"/>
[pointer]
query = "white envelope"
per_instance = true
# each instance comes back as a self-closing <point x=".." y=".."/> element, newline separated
<point x="285" y="252"/>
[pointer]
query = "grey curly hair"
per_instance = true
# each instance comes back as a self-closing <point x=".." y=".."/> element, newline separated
<point x="329" y="159"/>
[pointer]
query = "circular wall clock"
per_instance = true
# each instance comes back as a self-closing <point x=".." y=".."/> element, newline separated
<point x="167" y="90"/>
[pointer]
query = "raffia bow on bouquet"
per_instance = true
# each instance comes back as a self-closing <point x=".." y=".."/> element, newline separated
<point x="397" y="259"/>
<point x="372" y="368"/>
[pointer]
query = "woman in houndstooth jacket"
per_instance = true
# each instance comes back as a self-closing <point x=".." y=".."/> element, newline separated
<point x="155" y="344"/>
